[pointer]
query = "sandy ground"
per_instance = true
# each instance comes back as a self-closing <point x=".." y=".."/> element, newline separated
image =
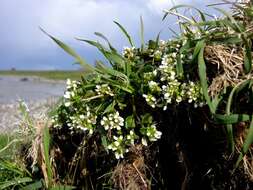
<point x="40" y="95"/>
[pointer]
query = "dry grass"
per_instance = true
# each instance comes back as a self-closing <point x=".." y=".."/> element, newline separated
<point x="229" y="61"/>
<point x="131" y="174"/>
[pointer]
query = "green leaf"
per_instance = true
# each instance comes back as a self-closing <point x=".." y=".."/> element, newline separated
<point x="215" y="102"/>
<point x="227" y="40"/>
<point x="142" y="33"/>
<point x="71" y="52"/>
<point x="15" y="182"/>
<point x="115" y="58"/>
<point x="202" y="15"/>
<point x="179" y="66"/>
<point x="128" y="68"/>
<point x="46" y="147"/>
<point x="93" y="43"/>
<point x="125" y="32"/>
<point x="197" y="49"/>
<point x="157" y="40"/>
<point x="104" y="142"/>
<point x="247" y="55"/>
<point x="234" y="24"/>
<point x="33" y="186"/>
<point x="108" y="42"/>
<point x="174" y="32"/>
<point x="62" y="187"/>
<point x="235" y="90"/>
<point x="130" y="122"/>
<point x="11" y="166"/>
<point x="202" y="75"/>
<point x="246" y="145"/>
<point x="109" y="108"/>
<point x="103" y="70"/>
<point x="231" y="119"/>
<point x="178" y="15"/>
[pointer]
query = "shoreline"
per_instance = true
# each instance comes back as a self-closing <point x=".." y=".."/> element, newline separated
<point x="11" y="118"/>
<point x="38" y="93"/>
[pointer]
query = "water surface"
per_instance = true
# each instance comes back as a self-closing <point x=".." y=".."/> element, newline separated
<point x="13" y="88"/>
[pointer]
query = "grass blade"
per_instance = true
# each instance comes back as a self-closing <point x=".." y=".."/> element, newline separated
<point x="202" y="75"/>
<point x="234" y="23"/>
<point x="33" y="186"/>
<point x="142" y="33"/>
<point x="157" y="39"/>
<point x="246" y="145"/>
<point x="125" y="32"/>
<point x="15" y="182"/>
<point x="231" y="119"/>
<point x="108" y="42"/>
<point x="46" y="146"/>
<point x="247" y="56"/>
<point x="71" y="52"/>
<point x="234" y="91"/>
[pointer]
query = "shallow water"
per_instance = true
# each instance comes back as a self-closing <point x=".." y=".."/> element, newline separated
<point x="13" y="88"/>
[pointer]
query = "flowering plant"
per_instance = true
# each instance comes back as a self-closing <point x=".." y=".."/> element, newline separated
<point x="118" y="102"/>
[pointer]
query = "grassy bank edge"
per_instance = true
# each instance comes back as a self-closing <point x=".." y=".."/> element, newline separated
<point x="53" y="75"/>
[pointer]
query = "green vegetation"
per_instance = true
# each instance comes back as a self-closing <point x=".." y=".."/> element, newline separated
<point x="54" y="75"/>
<point x="173" y="114"/>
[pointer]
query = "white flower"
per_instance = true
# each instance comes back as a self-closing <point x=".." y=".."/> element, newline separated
<point x="155" y="72"/>
<point x="128" y="52"/>
<point x="67" y="95"/>
<point x="112" y="121"/>
<point x="68" y="82"/>
<point x="118" y="155"/>
<point x="104" y="89"/>
<point x="144" y="142"/>
<point x="67" y="104"/>
<point x="158" y="134"/>
<point x="150" y="99"/>
<point x="116" y="143"/>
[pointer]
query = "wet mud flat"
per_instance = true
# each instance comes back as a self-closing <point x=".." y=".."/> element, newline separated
<point x="39" y="95"/>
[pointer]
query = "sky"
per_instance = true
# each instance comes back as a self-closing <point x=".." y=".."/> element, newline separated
<point x="24" y="47"/>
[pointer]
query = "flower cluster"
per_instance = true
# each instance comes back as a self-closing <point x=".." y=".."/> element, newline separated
<point x="157" y="55"/>
<point x="70" y="93"/>
<point x="131" y="137"/>
<point x="153" y="86"/>
<point x="165" y="86"/>
<point x="117" y="146"/>
<point x="149" y="130"/>
<point x="150" y="99"/>
<point x="152" y="133"/>
<point x="112" y="121"/>
<point x="174" y="90"/>
<point x="162" y="45"/>
<point x="104" y="89"/>
<point x="149" y="76"/>
<point x="195" y="94"/>
<point x="83" y="121"/>
<point x="167" y="67"/>
<point x="128" y="52"/>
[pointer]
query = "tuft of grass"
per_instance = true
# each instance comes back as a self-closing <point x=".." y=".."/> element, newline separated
<point x="8" y="145"/>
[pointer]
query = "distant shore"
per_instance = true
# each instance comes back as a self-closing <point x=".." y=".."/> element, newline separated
<point x="52" y="75"/>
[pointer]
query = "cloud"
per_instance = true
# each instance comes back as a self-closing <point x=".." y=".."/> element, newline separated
<point x="24" y="45"/>
<point x="157" y="6"/>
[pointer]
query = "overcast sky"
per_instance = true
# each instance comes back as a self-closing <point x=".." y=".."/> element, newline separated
<point x="24" y="46"/>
